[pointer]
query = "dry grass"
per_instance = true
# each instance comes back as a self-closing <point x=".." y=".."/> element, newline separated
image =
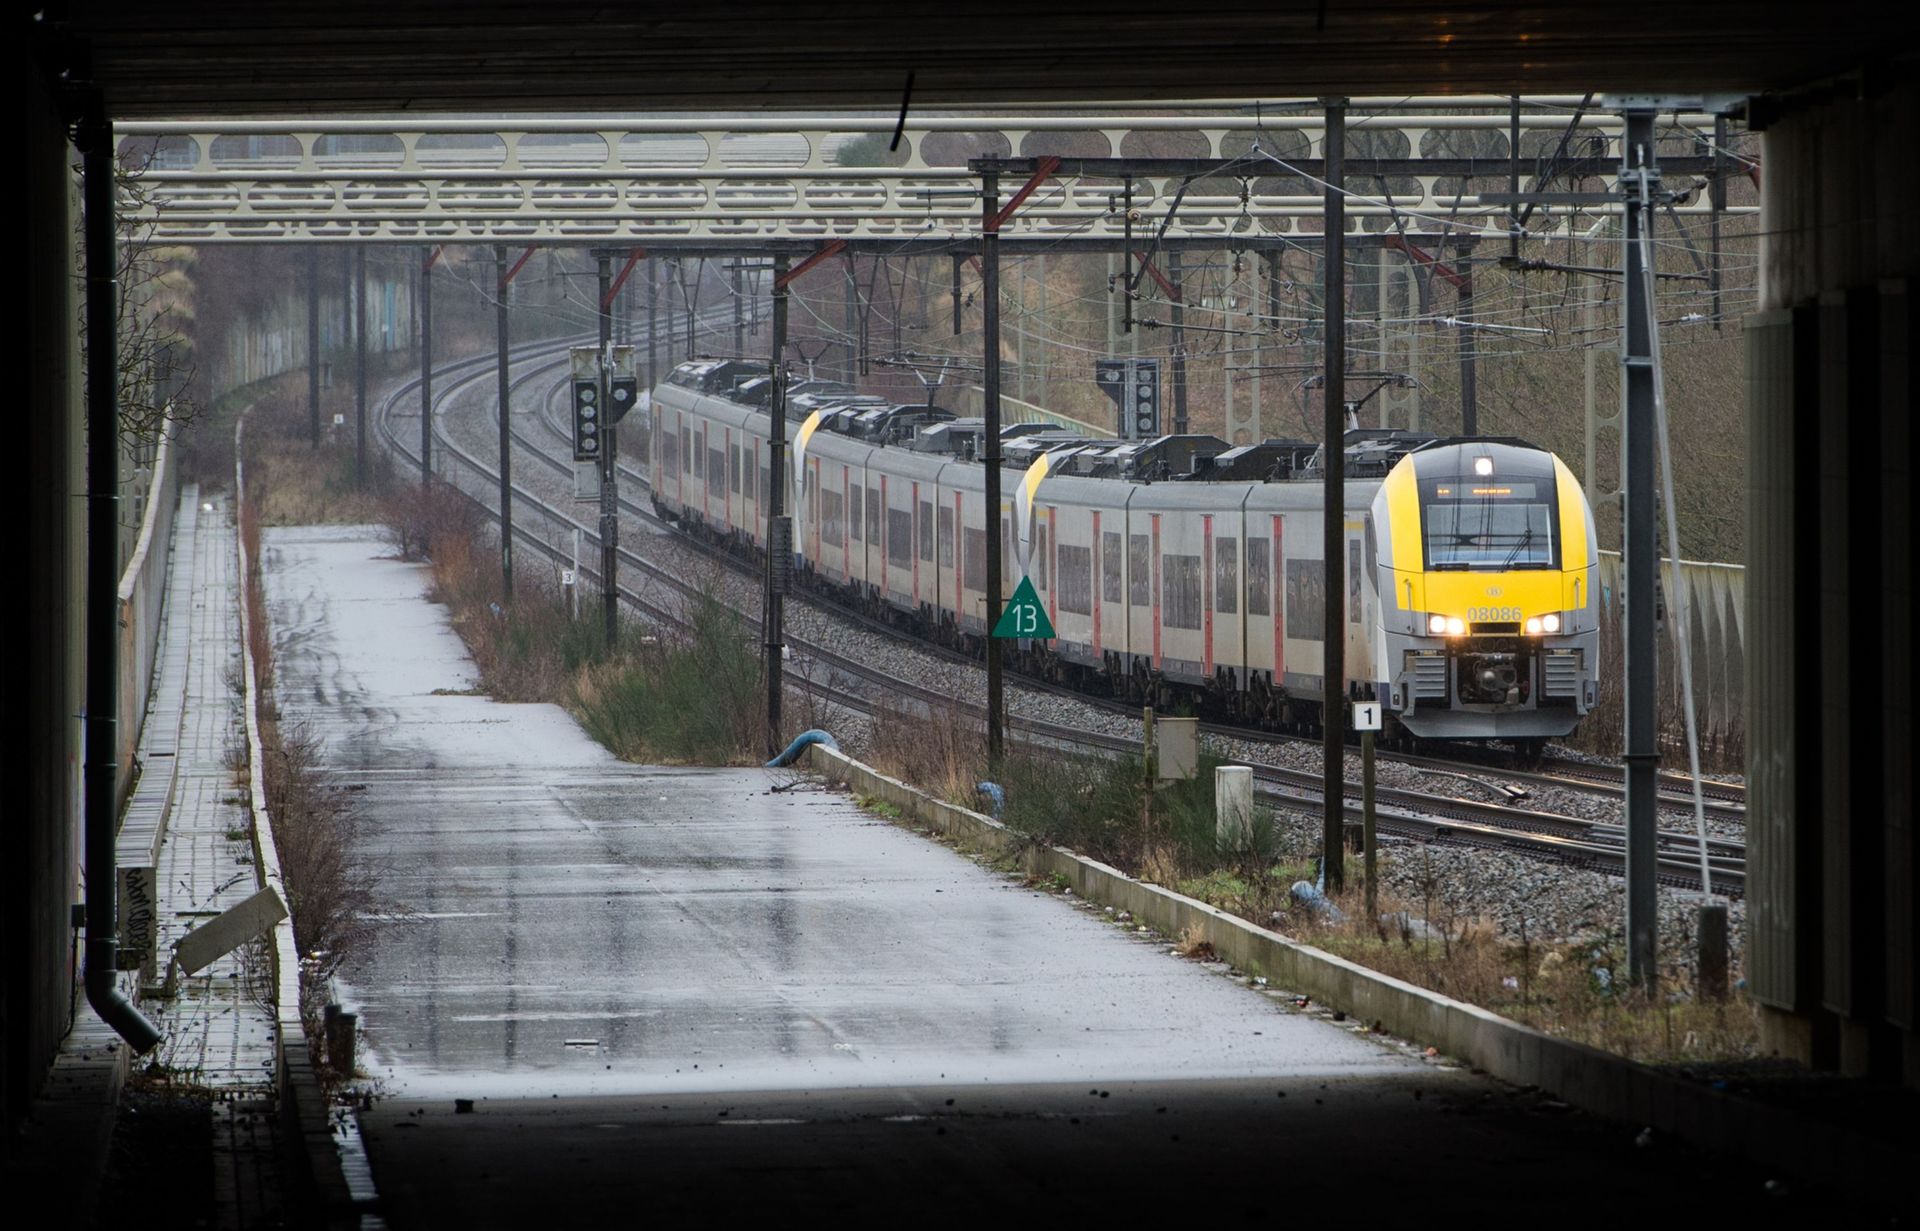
<point x="690" y="696"/>
<point x="298" y="484"/>
<point x="1566" y="988"/>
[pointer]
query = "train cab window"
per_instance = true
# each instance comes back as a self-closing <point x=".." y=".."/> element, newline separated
<point x="1259" y="576"/>
<point x="1110" y="566"/>
<point x="926" y="530"/>
<point x="1489" y="523"/>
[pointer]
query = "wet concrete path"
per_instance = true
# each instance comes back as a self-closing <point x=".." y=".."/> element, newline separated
<point x="674" y="991"/>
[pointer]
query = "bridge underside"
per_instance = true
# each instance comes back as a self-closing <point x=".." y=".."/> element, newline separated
<point x="1832" y="861"/>
<point x="230" y="57"/>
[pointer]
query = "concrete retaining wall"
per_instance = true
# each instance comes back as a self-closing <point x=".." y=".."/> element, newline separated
<point x="1582" y="1076"/>
<point x="316" y="1192"/>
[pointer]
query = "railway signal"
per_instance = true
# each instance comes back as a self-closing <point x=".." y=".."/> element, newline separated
<point x="586" y="411"/>
<point x="1134" y="386"/>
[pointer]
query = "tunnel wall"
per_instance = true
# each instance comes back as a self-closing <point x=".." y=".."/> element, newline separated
<point x="1830" y="681"/>
<point x="44" y="674"/>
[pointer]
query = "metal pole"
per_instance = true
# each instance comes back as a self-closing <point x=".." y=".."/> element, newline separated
<point x="1179" y="316"/>
<point x="1126" y="260"/>
<point x="426" y="369"/>
<point x="990" y="385"/>
<point x="1469" y="349"/>
<point x="360" y="364"/>
<point x="101" y="770"/>
<point x="313" y="344"/>
<point x="1639" y="179"/>
<point x="774" y="498"/>
<point x="609" y="473"/>
<point x="653" y="325"/>
<point x="739" y="318"/>
<point x="956" y="295"/>
<point x="1334" y="541"/>
<point x="1513" y="179"/>
<point x="506" y="452"/>
<point x="1717" y="199"/>
<point x="852" y="323"/>
<point x="1367" y="826"/>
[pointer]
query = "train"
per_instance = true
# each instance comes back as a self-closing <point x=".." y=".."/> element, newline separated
<point x="1177" y="572"/>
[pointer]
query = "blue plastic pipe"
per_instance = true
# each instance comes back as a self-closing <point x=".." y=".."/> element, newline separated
<point x="802" y="742"/>
<point x="993" y="791"/>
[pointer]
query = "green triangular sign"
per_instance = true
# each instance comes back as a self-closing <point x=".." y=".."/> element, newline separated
<point x="1024" y="616"/>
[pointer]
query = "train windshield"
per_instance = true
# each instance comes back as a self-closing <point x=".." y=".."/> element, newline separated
<point x="1482" y="524"/>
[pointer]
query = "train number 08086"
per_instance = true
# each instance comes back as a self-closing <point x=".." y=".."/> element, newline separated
<point x="1493" y="613"/>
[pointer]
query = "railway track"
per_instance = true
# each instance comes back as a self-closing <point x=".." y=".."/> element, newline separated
<point x="1403" y="814"/>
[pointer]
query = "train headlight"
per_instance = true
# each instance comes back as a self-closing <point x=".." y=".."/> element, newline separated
<point x="1550" y="622"/>
<point x="1456" y="626"/>
<point x="1437" y="625"/>
<point x="1533" y="626"/>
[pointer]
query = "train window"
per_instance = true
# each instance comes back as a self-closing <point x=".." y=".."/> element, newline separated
<point x="833" y="514"/>
<point x="686" y="452"/>
<point x="1259" y="577"/>
<point x="1110" y="566"/>
<point x="1488" y="523"/>
<point x="858" y="498"/>
<point x="699" y="447"/>
<point x="946" y="538"/>
<point x="1039" y="562"/>
<point x="1076" y="579"/>
<point x="1140" y="570"/>
<point x="873" y="511"/>
<point x="1353" y="581"/>
<point x="766" y="479"/>
<point x="926" y="530"/>
<point x="1306" y="599"/>
<point x="974" y="558"/>
<point x="1180" y="588"/>
<point x="733" y="468"/>
<point x="899" y="538"/>
<point x="1008" y="560"/>
<point x="717" y="473"/>
<point x="1226" y="577"/>
<point x="669" y="447"/>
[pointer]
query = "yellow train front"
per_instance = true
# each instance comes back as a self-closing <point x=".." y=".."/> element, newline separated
<point x="1487" y="560"/>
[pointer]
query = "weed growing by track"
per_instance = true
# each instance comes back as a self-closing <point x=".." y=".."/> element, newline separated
<point x="687" y="696"/>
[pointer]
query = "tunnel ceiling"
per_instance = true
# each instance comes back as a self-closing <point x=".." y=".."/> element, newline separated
<point x="227" y="57"/>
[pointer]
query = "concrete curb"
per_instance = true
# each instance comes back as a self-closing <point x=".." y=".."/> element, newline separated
<point x="1585" y="1077"/>
<point x="317" y="1194"/>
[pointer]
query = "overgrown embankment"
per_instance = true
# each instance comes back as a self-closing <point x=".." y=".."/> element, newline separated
<point x="1434" y="926"/>
<point x="690" y="695"/>
<point x="332" y="887"/>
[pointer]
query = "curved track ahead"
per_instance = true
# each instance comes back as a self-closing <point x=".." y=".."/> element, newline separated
<point x="1408" y="814"/>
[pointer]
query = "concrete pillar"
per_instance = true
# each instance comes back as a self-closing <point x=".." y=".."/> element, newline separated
<point x="1832" y="948"/>
<point x="1233" y="807"/>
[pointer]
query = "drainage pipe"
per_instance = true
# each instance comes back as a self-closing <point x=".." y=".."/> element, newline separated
<point x="802" y="742"/>
<point x="95" y="138"/>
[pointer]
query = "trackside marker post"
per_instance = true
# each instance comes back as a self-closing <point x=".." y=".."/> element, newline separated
<point x="1366" y="720"/>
